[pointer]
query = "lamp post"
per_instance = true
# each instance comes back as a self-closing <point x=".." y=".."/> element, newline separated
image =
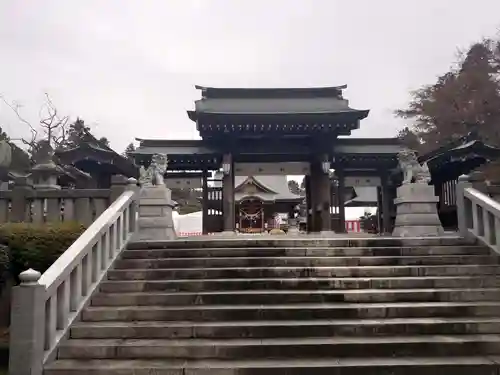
<point x="325" y="166"/>
<point x="226" y="168"/>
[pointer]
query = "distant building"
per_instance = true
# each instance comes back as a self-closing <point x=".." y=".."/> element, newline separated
<point x="260" y="200"/>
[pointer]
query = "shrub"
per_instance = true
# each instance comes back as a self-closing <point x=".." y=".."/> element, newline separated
<point x="37" y="246"/>
<point x="4" y="263"/>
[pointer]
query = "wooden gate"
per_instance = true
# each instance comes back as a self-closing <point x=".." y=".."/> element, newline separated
<point x="447" y="205"/>
<point x="214" y="218"/>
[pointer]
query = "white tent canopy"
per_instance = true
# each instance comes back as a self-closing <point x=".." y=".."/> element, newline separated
<point x="189" y="223"/>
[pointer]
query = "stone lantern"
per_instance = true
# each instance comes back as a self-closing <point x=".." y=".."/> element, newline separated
<point x="45" y="172"/>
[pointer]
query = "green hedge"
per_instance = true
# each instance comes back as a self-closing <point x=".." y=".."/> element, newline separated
<point x="35" y="246"/>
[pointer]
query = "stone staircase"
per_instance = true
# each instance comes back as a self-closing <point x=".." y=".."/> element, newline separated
<point x="291" y="307"/>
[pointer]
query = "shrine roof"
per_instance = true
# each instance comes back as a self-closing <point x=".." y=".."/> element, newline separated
<point x="282" y="92"/>
<point x="347" y="145"/>
<point x="94" y="152"/>
<point x="199" y="154"/>
<point x="275" y="186"/>
<point x="172" y="147"/>
<point x="343" y="145"/>
<point x="273" y="101"/>
<point x="459" y="157"/>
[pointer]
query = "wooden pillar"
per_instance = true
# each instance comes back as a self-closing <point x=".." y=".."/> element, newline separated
<point x="341" y="193"/>
<point x="228" y="206"/>
<point x="325" y="197"/>
<point x="320" y="196"/>
<point x="315" y="181"/>
<point x="386" y="204"/>
<point x="380" y="225"/>
<point x="204" y="202"/>
<point x="307" y="183"/>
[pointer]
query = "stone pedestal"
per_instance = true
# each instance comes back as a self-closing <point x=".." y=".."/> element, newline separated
<point x="155" y="214"/>
<point x="416" y="212"/>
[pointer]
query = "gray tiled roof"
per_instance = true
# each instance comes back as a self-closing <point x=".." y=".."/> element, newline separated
<point x="277" y="185"/>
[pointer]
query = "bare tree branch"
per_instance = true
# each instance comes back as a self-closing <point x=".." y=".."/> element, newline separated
<point x="14" y="106"/>
<point x="54" y="127"/>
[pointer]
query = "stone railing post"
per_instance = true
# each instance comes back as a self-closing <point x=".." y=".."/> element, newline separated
<point x="27" y="327"/>
<point x="463" y="183"/>
<point x="133" y="185"/>
<point x="20" y="210"/>
<point x="119" y="184"/>
<point x="494" y="189"/>
<point x="478" y="181"/>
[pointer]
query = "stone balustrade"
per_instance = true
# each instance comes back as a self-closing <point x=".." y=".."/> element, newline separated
<point x="44" y="306"/>
<point x="478" y="214"/>
<point x="24" y="203"/>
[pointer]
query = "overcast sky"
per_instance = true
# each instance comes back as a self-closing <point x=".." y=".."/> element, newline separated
<point x="128" y="67"/>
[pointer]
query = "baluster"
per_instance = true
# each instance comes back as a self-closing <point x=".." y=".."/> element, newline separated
<point x="69" y="210"/>
<point x="487" y="226"/>
<point x="83" y="211"/>
<point x="100" y="206"/>
<point x="104" y="250"/>
<point x="112" y="240"/>
<point x="50" y="321"/>
<point x="480" y="220"/>
<point x="37" y="211"/>
<point x="86" y="274"/>
<point x="96" y="257"/>
<point x="119" y="231"/>
<point x="76" y="287"/>
<point x="475" y="219"/>
<point x="126" y="217"/>
<point x="63" y="304"/>
<point x="497" y="233"/>
<point x="53" y="210"/>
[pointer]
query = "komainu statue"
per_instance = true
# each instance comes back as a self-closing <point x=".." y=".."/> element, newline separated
<point x="154" y="174"/>
<point x="413" y="172"/>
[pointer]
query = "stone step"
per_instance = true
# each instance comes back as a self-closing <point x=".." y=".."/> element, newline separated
<point x="235" y="242"/>
<point x="479" y="365"/>
<point x="294" y="272"/>
<point x="293" y="328"/>
<point x="339" y="347"/>
<point x="294" y="296"/>
<point x="302" y="251"/>
<point x="303" y="283"/>
<point x="308" y="261"/>
<point x="291" y="311"/>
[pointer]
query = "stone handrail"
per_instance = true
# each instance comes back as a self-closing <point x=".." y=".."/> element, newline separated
<point x="478" y="215"/>
<point x="44" y="306"/>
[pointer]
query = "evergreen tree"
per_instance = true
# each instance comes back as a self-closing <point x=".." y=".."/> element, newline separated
<point x="77" y="133"/>
<point x="130" y="148"/>
<point x="104" y="141"/>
